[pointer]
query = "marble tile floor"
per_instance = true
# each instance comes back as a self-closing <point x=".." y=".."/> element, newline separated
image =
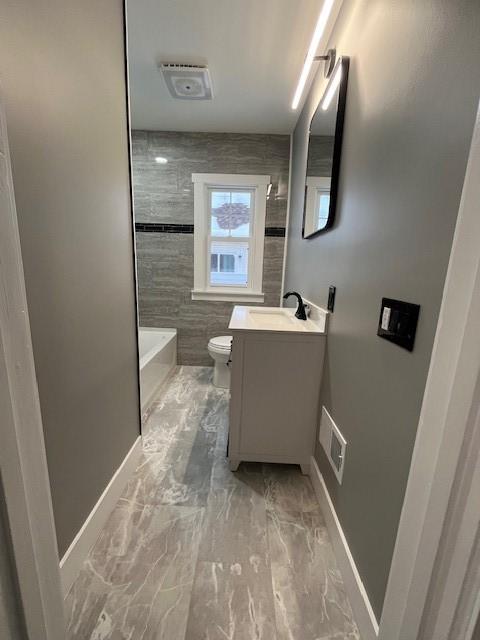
<point x="195" y="552"/>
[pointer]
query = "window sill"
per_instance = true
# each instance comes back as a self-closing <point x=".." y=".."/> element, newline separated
<point x="228" y="296"/>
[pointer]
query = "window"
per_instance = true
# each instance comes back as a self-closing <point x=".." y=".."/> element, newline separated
<point x="229" y="216"/>
<point x="322" y="206"/>
<point x="230" y="213"/>
<point x="317" y="204"/>
<point x="227" y="263"/>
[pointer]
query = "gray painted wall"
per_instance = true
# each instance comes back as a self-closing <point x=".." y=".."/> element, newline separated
<point x="62" y="70"/>
<point x="412" y="96"/>
<point x="164" y="194"/>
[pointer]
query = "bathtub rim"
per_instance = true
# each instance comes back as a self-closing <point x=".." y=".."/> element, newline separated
<point x="144" y="360"/>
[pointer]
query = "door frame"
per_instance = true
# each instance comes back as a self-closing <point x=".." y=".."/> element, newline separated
<point x="446" y="425"/>
<point x="23" y="463"/>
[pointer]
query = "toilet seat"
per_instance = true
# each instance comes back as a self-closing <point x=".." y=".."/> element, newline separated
<point x="221" y="344"/>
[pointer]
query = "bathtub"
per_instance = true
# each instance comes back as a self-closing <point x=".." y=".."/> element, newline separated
<point x="158" y="356"/>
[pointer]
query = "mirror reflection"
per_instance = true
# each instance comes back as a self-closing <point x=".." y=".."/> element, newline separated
<point x="323" y="158"/>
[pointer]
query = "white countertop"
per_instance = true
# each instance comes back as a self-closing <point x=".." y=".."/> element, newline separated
<point x="276" y="319"/>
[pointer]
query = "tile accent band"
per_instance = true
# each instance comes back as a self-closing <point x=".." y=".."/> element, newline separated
<point x="275" y="232"/>
<point x="158" y="227"/>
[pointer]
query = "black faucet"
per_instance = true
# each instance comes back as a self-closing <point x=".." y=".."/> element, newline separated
<point x="300" y="313"/>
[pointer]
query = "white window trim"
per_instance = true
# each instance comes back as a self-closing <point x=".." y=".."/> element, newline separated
<point x="202" y="182"/>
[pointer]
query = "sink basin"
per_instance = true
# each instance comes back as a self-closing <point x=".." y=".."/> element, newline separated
<point x="276" y="319"/>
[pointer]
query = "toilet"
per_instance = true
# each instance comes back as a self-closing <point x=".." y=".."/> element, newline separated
<point x="219" y="348"/>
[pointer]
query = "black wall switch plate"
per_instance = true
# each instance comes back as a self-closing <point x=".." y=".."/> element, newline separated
<point x="398" y="322"/>
<point x="331" y="298"/>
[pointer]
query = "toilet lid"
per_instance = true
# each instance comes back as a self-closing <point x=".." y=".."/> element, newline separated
<point x="222" y="342"/>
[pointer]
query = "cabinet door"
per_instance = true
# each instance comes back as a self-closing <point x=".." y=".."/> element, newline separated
<point x="280" y="389"/>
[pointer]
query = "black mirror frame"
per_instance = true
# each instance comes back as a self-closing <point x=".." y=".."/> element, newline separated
<point x="344" y="62"/>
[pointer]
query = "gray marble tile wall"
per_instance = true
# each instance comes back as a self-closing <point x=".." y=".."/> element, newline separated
<point x="320" y="156"/>
<point x="163" y="194"/>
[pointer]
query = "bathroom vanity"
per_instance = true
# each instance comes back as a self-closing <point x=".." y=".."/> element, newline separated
<point x="276" y="370"/>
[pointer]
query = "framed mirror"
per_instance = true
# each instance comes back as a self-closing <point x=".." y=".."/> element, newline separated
<point x="324" y="150"/>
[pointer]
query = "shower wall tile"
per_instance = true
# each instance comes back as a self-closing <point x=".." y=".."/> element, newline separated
<point x="139" y="142"/>
<point x="165" y="281"/>
<point x="320" y="155"/>
<point x="164" y="194"/>
<point x="272" y="270"/>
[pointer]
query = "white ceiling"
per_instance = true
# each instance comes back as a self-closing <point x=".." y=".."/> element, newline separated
<point x="254" y="49"/>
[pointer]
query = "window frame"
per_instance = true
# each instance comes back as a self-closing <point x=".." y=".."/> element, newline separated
<point x="203" y="183"/>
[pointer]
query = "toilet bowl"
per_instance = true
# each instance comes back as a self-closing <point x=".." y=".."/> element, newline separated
<point x="219" y="349"/>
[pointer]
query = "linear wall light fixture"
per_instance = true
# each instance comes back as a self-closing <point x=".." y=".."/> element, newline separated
<point x="307" y="65"/>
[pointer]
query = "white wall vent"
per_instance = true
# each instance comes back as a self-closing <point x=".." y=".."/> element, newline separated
<point x="187" y="81"/>
<point x="333" y="443"/>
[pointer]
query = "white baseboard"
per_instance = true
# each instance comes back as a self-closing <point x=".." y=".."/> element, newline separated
<point x="362" y="609"/>
<point x="77" y="552"/>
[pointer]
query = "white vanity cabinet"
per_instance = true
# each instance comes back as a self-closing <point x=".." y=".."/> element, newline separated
<point x="275" y="385"/>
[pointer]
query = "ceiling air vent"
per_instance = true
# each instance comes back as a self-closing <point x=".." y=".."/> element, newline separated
<point x="187" y="81"/>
